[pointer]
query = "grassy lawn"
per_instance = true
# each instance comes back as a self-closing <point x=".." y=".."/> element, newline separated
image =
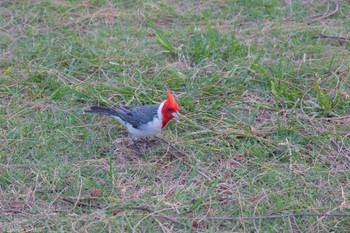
<point x="264" y="91"/>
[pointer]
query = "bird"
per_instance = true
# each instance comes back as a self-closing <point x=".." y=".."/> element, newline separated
<point x="143" y="120"/>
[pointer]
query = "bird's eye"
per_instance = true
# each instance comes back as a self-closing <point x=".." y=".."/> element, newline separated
<point x="169" y="109"/>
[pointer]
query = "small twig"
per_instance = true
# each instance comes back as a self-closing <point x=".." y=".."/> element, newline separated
<point x="143" y="208"/>
<point x="78" y="203"/>
<point x="172" y="147"/>
<point x="326" y="15"/>
<point x="276" y="216"/>
<point x="183" y="156"/>
<point x="341" y="118"/>
<point x="336" y="38"/>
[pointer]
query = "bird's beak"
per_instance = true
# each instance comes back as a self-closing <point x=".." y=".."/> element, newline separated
<point x="176" y="114"/>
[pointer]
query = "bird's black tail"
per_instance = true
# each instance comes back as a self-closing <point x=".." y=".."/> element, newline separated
<point x="101" y="110"/>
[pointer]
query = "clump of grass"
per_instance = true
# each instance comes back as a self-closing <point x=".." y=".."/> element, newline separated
<point x="162" y="39"/>
<point x="214" y="45"/>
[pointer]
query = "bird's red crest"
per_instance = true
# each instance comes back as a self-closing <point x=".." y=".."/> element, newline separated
<point x="172" y="102"/>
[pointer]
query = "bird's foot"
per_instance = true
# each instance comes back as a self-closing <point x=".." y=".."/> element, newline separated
<point x="135" y="144"/>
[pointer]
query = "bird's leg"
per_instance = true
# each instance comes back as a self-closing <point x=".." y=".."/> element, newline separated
<point x="145" y="141"/>
<point x="134" y="143"/>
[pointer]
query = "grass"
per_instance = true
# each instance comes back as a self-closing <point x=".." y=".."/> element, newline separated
<point x="265" y="107"/>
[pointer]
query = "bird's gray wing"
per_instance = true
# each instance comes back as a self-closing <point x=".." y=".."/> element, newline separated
<point x="138" y="115"/>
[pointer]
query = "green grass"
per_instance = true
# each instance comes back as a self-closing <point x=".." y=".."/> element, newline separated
<point x="265" y="110"/>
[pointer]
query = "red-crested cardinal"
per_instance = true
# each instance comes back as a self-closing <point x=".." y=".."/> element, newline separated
<point x="143" y="120"/>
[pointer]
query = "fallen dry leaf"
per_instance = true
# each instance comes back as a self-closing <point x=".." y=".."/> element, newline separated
<point x="95" y="192"/>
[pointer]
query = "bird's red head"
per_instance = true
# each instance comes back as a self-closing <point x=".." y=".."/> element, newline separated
<point x="170" y="109"/>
